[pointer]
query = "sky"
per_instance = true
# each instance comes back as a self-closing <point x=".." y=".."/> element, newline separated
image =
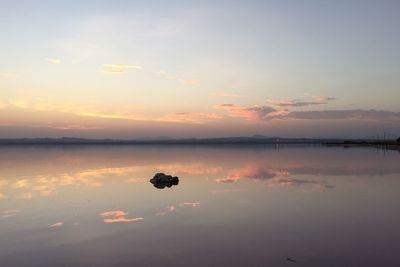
<point x="133" y="69"/>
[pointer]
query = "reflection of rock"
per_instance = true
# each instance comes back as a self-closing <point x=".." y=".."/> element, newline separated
<point x="161" y="180"/>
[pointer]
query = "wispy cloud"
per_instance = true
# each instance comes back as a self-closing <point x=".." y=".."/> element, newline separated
<point x="190" y="117"/>
<point x="57" y="224"/>
<point x="303" y="103"/>
<point x="267" y="113"/>
<point x="173" y="208"/>
<point x="360" y="114"/>
<point x="270" y="176"/>
<point x="166" y="211"/>
<point x="114" y="213"/>
<point x="122" y="219"/>
<point x="254" y="113"/>
<point x="8" y="74"/>
<point x="118" y="216"/>
<point x="190" y="204"/>
<point x="122" y="66"/>
<point x="54" y="61"/>
<point x="10" y="213"/>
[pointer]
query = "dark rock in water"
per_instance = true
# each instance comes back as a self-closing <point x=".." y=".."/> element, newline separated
<point x="161" y="180"/>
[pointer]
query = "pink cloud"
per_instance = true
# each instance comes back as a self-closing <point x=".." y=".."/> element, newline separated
<point x="122" y="219"/>
<point x="118" y="216"/>
<point x="254" y="113"/>
<point x="57" y="224"/>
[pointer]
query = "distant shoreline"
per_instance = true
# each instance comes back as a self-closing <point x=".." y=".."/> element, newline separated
<point x="391" y="144"/>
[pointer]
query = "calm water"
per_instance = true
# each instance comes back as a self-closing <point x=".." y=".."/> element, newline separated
<point x="233" y="206"/>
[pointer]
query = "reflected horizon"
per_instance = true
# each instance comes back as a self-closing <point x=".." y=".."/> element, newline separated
<point x="83" y="203"/>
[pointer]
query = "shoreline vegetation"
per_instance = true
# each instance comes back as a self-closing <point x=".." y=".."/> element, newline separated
<point x="387" y="144"/>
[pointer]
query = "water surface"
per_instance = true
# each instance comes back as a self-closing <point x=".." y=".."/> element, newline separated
<point x="233" y="206"/>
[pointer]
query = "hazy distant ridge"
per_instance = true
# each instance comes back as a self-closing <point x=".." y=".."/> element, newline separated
<point x="223" y="140"/>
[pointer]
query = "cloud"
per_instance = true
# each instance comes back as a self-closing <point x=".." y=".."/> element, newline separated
<point x="191" y="204"/>
<point x="254" y="113"/>
<point x="134" y="180"/>
<point x="74" y="127"/>
<point x="360" y="114"/>
<point x="270" y="176"/>
<point x="114" y="213"/>
<point x="302" y="103"/>
<point x="166" y="211"/>
<point x="122" y="66"/>
<point x="195" y="168"/>
<point x="250" y="172"/>
<point x="172" y="208"/>
<point x="8" y="74"/>
<point x="298" y="103"/>
<point x="266" y="113"/>
<point x="190" y="117"/>
<point x="10" y="213"/>
<point x="118" y="216"/>
<point x="122" y="219"/>
<point x="54" y="61"/>
<point x="57" y="224"/>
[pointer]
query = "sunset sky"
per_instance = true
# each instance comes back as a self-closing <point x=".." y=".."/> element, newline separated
<point x="129" y="69"/>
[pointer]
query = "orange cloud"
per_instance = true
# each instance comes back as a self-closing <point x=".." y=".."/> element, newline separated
<point x="136" y="180"/>
<point x="118" y="216"/>
<point x="254" y="113"/>
<point x="190" y="117"/>
<point x="115" y="213"/>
